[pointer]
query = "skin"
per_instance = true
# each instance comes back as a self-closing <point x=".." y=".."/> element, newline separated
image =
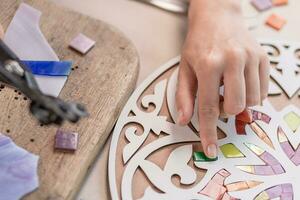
<point x="219" y="49"/>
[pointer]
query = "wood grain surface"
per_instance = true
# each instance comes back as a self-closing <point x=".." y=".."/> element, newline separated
<point x="102" y="80"/>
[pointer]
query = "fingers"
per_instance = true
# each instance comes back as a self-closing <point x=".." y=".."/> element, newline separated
<point x="234" y="83"/>
<point x="208" y="91"/>
<point x="252" y="80"/>
<point x="264" y="73"/>
<point x="185" y="94"/>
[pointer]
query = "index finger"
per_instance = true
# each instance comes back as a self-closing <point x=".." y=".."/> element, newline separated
<point x="208" y="91"/>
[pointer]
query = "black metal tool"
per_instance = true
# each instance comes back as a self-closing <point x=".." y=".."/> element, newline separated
<point x="47" y="109"/>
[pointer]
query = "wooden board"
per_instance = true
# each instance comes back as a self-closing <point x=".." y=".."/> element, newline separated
<point x="103" y="80"/>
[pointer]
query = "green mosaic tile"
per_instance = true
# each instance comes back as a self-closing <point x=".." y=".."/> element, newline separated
<point x="201" y="157"/>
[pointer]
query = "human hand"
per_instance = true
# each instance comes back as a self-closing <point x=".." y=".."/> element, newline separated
<point x="219" y="49"/>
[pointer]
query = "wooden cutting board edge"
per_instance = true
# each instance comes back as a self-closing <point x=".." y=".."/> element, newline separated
<point x="126" y="92"/>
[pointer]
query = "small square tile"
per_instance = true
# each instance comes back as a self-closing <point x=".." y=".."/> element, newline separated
<point x="262" y="5"/>
<point x="276" y="21"/>
<point x="280" y="2"/>
<point x="82" y="43"/>
<point x="292" y="120"/>
<point x="66" y="140"/>
<point x="201" y="157"/>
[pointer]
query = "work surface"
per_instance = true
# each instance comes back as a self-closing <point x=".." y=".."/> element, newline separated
<point x="158" y="36"/>
<point x="102" y="80"/>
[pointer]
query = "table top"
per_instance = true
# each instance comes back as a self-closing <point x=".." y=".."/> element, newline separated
<point x="110" y="78"/>
<point x="166" y="31"/>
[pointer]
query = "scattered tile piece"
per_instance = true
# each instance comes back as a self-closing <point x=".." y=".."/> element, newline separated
<point x="265" y="118"/>
<point x="66" y="140"/>
<point x="252" y="184"/>
<point x="276" y="21"/>
<point x="245" y="116"/>
<point x="213" y="190"/>
<point x="246" y="168"/>
<point x="280" y="2"/>
<point x="263" y="170"/>
<point x="227" y="197"/>
<point x="287" y="196"/>
<point x="258" y="151"/>
<point x="288" y="149"/>
<point x="224" y="173"/>
<point x="258" y="130"/>
<point x="218" y="178"/>
<point x="231" y="151"/>
<point x="82" y="43"/>
<point x="278" y="169"/>
<point x="201" y="157"/>
<point x="18" y="170"/>
<point x="274" y="192"/>
<point x="296" y="157"/>
<point x="269" y="159"/>
<point x="262" y="196"/>
<point x="262" y="5"/>
<point x="281" y="135"/>
<point x="256" y="115"/>
<point x="287" y="188"/>
<point x="292" y="120"/>
<point x="240" y="127"/>
<point x="242" y="185"/>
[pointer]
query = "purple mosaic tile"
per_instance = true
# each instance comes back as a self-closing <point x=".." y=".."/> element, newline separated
<point x="274" y="192"/>
<point x="263" y="170"/>
<point x="262" y="5"/>
<point x="66" y="140"/>
<point x="269" y="159"/>
<point x="278" y="169"/>
<point x="288" y="149"/>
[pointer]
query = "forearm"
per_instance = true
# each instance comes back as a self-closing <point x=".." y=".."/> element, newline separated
<point x="210" y="7"/>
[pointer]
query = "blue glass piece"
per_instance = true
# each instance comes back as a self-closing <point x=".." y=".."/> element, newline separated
<point x="49" y="68"/>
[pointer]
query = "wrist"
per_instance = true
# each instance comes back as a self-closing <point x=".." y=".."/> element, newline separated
<point x="202" y="7"/>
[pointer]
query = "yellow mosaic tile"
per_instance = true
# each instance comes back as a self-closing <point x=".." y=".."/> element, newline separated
<point x="231" y="151"/>
<point x="281" y="136"/>
<point x="262" y="196"/>
<point x="258" y="151"/>
<point x="292" y="120"/>
<point x="246" y="168"/>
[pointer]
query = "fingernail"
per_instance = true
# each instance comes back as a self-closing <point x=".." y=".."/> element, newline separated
<point x="212" y="151"/>
<point x="179" y="118"/>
